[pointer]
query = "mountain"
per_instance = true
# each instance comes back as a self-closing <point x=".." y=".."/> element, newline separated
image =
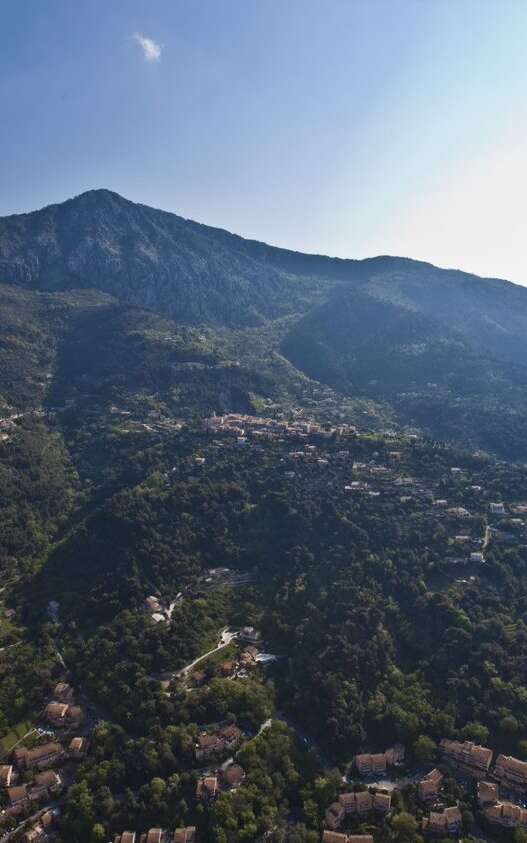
<point x="404" y="341"/>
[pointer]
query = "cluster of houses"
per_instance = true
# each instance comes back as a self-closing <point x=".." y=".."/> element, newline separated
<point x="159" y="835"/>
<point x="211" y="746"/>
<point x="61" y="712"/>
<point x="31" y="777"/>
<point x="241" y="426"/>
<point x="508" y="772"/>
<point x="226" y="778"/>
<point x="39" y="761"/>
<point x="39" y="830"/>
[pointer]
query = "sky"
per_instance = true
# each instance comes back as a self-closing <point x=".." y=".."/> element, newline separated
<point x="343" y="127"/>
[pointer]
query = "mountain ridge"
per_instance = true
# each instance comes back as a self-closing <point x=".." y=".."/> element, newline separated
<point x="440" y="350"/>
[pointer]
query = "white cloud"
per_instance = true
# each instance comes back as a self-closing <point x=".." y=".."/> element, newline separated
<point x="151" y="49"/>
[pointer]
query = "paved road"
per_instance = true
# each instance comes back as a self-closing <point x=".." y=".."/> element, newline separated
<point x="225" y="639"/>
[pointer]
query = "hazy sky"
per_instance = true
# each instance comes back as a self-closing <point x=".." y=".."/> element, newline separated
<point x="351" y="128"/>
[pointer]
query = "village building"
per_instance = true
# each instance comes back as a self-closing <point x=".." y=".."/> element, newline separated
<point x="248" y="656"/>
<point x="449" y="822"/>
<point x="198" y="678"/>
<point x="6" y="775"/>
<point x="56" y="713"/>
<point x="230" y="735"/>
<point x="249" y="633"/>
<point x="207" y="789"/>
<point x="497" y="509"/>
<point x="511" y="772"/>
<point x="39" y="830"/>
<point x="382" y="802"/>
<point x="40" y="756"/>
<point x="63" y="693"/>
<point x="487" y="793"/>
<point x="336" y="837"/>
<point x="208" y="745"/>
<point x="430" y="786"/>
<point x="78" y="748"/>
<point x="18" y="796"/>
<point x="152" y="604"/>
<point x="370" y="764"/>
<point x="75" y="715"/>
<point x="125" y="837"/>
<point x="154" y="835"/>
<point x="373" y="764"/>
<point x="468" y="756"/>
<point x="506" y="814"/>
<point x="185" y="835"/>
<point x="49" y="782"/>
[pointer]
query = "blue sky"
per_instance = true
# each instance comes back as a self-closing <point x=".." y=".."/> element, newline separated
<point x="343" y="127"/>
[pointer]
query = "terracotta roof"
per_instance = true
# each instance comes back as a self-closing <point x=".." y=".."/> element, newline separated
<point x="333" y="837"/>
<point x="155" y="835"/>
<point x="185" y="835"/>
<point x="16" y="794"/>
<point x="487" y="792"/>
<point x="48" y="778"/>
<point x="511" y="766"/>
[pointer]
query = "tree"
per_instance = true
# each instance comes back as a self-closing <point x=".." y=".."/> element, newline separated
<point x="404" y="825"/>
<point x="424" y="749"/>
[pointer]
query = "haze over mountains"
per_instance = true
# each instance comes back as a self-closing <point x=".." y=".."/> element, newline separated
<point x="438" y="349"/>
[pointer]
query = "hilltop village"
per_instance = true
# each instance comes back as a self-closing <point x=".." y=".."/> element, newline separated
<point x="306" y="600"/>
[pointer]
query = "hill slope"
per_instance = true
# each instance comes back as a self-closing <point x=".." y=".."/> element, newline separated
<point x="438" y="349"/>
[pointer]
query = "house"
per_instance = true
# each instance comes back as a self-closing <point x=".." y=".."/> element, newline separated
<point x="154" y="835"/>
<point x="477" y="556"/>
<point x="75" y="715"/>
<point x="506" y="814"/>
<point x="469" y="756"/>
<point x="6" y="775"/>
<point x="511" y="772"/>
<point x="395" y="754"/>
<point x="207" y="789"/>
<point x="18" y="796"/>
<point x="248" y="656"/>
<point x="49" y="780"/>
<point x="125" y="837"/>
<point x="487" y="793"/>
<point x="198" y="678"/>
<point x="78" y="748"/>
<point x="335" y="815"/>
<point x="41" y="756"/>
<point x="336" y="837"/>
<point x="56" y="713"/>
<point x="185" y="835"/>
<point x="208" y="745"/>
<point x="440" y="504"/>
<point x="333" y="837"/>
<point x="382" y="802"/>
<point x="449" y="822"/>
<point x="249" y="633"/>
<point x="63" y="693"/>
<point x="497" y="509"/>
<point x="152" y="604"/>
<point x="429" y="787"/>
<point x="458" y="512"/>
<point x="35" y="834"/>
<point x="232" y="776"/>
<point x="230" y="735"/>
<point x="370" y="764"/>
